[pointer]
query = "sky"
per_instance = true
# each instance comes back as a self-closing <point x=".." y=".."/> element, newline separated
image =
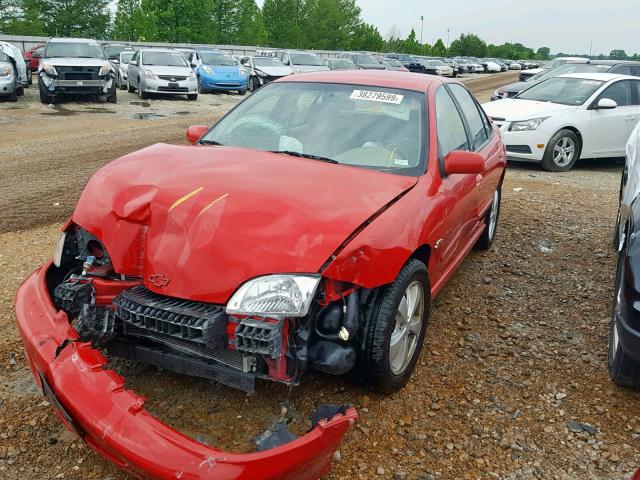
<point x="567" y="26"/>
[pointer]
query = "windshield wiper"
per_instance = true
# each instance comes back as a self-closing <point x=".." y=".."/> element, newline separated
<point x="305" y="155"/>
<point x="209" y="142"/>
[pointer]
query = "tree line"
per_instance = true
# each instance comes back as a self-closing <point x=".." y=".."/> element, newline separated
<point x="317" y="24"/>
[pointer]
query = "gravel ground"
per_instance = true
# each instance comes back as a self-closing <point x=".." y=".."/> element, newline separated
<point x="512" y="382"/>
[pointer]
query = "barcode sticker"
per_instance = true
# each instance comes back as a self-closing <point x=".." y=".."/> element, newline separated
<point x="373" y="96"/>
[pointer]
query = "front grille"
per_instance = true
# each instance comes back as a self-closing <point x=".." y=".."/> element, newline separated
<point x="77" y="73"/>
<point x="198" y="323"/>
<point x="172" y="78"/>
<point x="173" y="89"/>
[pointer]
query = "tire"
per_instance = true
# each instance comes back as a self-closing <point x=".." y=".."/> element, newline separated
<point x="113" y="96"/>
<point x="29" y="77"/>
<point x="200" y="89"/>
<point x="242" y="91"/>
<point x="378" y="368"/>
<point x="491" y="221"/>
<point x="562" y="152"/>
<point x="254" y="84"/>
<point x="45" y="98"/>
<point x="143" y="95"/>
<point x="122" y="86"/>
<point x="623" y="370"/>
<point x="20" y="91"/>
<point x="130" y="89"/>
<point x="192" y="97"/>
<point x="13" y="97"/>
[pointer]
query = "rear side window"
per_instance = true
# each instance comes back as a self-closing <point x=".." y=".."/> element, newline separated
<point x="451" y="133"/>
<point x="621" y="70"/>
<point x="635" y="71"/>
<point x="472" y="113"/>
<point x="635" y="85"/>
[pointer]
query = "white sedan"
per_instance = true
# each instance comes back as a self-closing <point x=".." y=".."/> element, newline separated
<point x="565" y="118"/>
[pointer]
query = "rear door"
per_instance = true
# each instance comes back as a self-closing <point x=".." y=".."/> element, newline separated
<point x="609" y="129"/>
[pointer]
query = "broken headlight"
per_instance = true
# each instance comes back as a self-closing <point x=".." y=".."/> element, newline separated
<point x="50" y="70"/>
<point x="279" y="295"/>
<point x="105" y="70"/>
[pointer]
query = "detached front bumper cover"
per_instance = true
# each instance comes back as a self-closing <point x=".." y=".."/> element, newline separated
<point x="113" y="421"/>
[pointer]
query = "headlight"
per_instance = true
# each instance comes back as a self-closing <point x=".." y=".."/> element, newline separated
<point x="5" y="71"/>
<point x="50" y="70"/>
<point x="208" y="70"/>
<point x="192" y="75"/>
<point x="261" y="73"/>
<point x="149" y="74"/>
<point x="105" y="70"/>
<point x="57" y="253"/>
<point x="281" y="295"/>
<point x="527" y="124"/>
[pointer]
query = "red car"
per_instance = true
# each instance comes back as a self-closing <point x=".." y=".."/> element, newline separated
<point x="32" y="59"/>
<point x="309" y="228"/>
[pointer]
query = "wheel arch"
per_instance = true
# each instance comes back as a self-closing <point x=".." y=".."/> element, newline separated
<point x="575" y="130"/>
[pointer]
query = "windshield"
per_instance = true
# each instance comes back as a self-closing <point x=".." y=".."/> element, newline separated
<point x="364" y="126"/>
<point x="126" y="57"/>
<point x="306" y="59"/>
<point x="562" y="90"/>
<point x="163" y="59"/>
<point x="392" y="62"/>
<point x="112" y="51"/>
<point x="343" y="64"/>
<point x="212" y="58"/>
<point x="267" y="62"/>
<point x="73" y="50"/>
<point x="436" y="62"/>
<point x="366" y="60"/>
<point x="569" y="68"/>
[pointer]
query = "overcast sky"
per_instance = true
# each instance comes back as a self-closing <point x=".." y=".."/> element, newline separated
<point x="562" y="25"/>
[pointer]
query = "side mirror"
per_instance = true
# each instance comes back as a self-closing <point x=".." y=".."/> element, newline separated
<point x="133" y="62"/>
<point x="195" y="133"/>
<point x="606" y="104"/>
<point x="461" y="162"/>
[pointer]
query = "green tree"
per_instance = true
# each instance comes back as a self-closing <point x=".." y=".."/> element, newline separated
<point x="468" y="45"/>
<point x="411" y="44"/>
<point x="543" y="53"/>
<point x="330" y="24"/>
<point x="618" y="55"/>
<point x="367" y="37"/>
<point x="178" y="21"/>
<point x="76" y="18"/>
<point x="20" y="17"/>
<point x="283" y="21"/>
<point x="438" y="49"/>
<point x="129" y="21"/>
<point x="248" y="24"/>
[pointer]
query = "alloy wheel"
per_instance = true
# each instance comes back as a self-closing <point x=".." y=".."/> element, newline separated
<point x="408" y="324"/>
<point x="564" y="151"/>
<point x="493" y="215"/>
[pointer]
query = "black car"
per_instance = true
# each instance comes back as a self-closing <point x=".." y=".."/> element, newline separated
<point x="600" y="66"/>
<point x="623" y="358"/>
<point x="409" y="61"/>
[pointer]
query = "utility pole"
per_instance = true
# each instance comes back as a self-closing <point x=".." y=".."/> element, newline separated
<point x="421" y="27"/>
<point x="591" y="49"/>
<point x="447" y="39"/>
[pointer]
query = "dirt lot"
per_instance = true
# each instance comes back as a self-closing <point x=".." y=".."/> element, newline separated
<point x="515" y="361"/>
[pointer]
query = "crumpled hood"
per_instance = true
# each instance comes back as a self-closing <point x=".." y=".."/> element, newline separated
<point x="198" y="222"/>
<point x="275" y="71"/>
<point x="514" y="109"/>
<point x="74" y="62"/>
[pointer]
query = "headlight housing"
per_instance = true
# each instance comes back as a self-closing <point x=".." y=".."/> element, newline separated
<point x="149" y="74"/>
<point x="105" y="70"/>
<point x="208" y="70"/>
<point x="50" y="70"/>
<point x="260" y="73"/>
<point x="277" y="295"/>
<point x="526" y="125"/>
<point x="5" y="71"/>
<point x="192" y="75"/>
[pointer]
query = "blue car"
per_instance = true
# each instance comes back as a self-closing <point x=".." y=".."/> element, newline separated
<point x="218" y="71"/>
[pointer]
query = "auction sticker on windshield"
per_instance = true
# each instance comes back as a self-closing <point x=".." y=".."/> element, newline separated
<point x="373" y="96"/>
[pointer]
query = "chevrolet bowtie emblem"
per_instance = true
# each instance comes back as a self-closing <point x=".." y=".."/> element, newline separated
<point x="159" y="280"/>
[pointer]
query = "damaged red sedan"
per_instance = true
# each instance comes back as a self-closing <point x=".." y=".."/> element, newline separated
<point x="308" y="229"/>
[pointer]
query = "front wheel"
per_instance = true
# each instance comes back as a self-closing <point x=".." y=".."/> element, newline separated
<point x="242" y="91"/>
<point x="113" y="95"/>
<point x="192" y="96"/>
<point x="254" y="84"/>
<point x="491" y="221"/>
<point x="130" y="89"/>
<point x="623" y="370"/>
<point x="396" y="324"/>
<point x="45" y="98"/>
<point x="562" y="152"/>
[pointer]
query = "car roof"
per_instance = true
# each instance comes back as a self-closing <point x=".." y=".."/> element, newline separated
<point x="603" y="77"/>
<point x="613" y="62"/>
<point x="156" y="49"/>
<point x="73" y="40"/>
<point x="375" y="78"/>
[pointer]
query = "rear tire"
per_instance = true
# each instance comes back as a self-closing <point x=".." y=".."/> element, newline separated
<point x="623" y="370"/>
<point x="130" y="89"/>
<point x="382" y="368"/>
<point x="562" y="152"/>
<point x="491" y="221"/>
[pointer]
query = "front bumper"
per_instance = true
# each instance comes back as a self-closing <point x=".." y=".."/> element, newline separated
<point x="7" y="85"/>
<point x="523" y="146"/>
<point x="157" y="85"/>
<point x="222" y="83"/>
<point x="116" y="425"/>
<point x="101" y="86"/>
